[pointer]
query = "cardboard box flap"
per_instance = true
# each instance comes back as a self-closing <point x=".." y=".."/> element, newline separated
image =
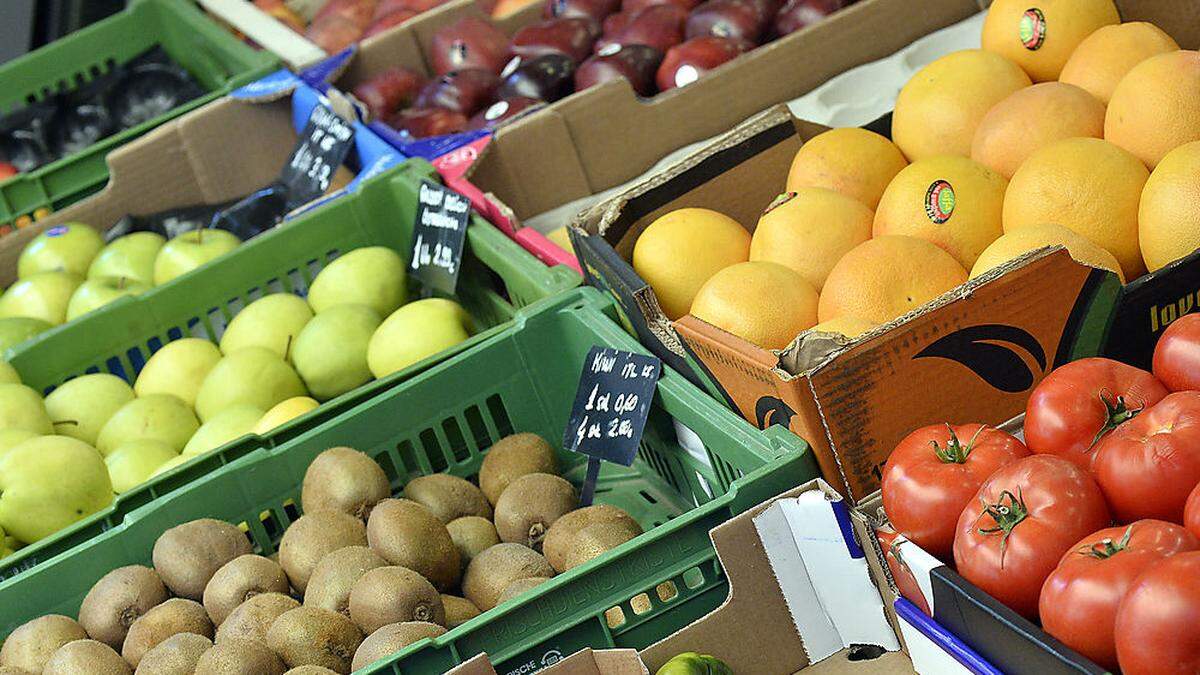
<point x="586" y="661"/>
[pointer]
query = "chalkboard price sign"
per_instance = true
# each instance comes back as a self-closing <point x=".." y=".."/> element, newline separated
<point x="320" y="150"/>
<point x="438" y="236"/>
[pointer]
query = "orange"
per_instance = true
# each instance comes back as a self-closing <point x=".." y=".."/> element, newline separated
<point x="950" y="201"/>
<point x="1105" y="56"/>
<point x="1087" y="185"/>
<point x="1040" y="35"/>
<point x="1033" y="118"/>
<point x="1032" y="237"/>
<point x="679" y="251"/>
<point x="855" y="162"/>
<point x="762" y="302"/>
<point x="1169" y="216"/>
<point x="850" y="326"/>
<point x="809" y="231"/>
<point x="1156" y="107"/>
<point x="939" y="109"/>
<point x="888" y="277"/>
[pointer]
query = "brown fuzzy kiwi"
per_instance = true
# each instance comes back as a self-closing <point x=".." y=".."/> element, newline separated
<point x="32" y="644"/>
<point x="177" y="615"/>
<point x="493" y="570"/>
<point x="530" y="505"/>
<point x="512" y="457"/>
<point x="240" y="657"/>
<point x="117" y="600"/>
<point x="393" y="637"/>
<point x="186" y="556"/>
<point x="448" y="497"/>
<point x="346" y="480"/>
<point x="458" y="610"/>
<point x="562" y="533"/>
<point x="519" y="587"/>
<point x="86" y="656"/>
<point x="393" y="595"/>
<point x="408" y="534"/>
<point x="310" y="670"/>
<point x="239" y="580"/>
<point x="472" y="535"/>
<point x="310" y="635"/>
<point x="334" y="576"/>
<point x="594" y="540"/>
<point x="311" y="537"/>
<point x="253" y="617"/>
<point x="176" y="655"/>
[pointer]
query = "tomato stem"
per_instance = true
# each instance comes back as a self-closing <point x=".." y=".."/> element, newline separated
<point x="955" y="452"/>
<point x="1006" y="515"/>
<point x="1116" y="413"/>
<point x="1105" y="548"/>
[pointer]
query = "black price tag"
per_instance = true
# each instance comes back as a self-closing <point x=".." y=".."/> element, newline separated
<point x="616" y="389"/>
<point x="322" y="148"/>
<point x="438" y="236"/>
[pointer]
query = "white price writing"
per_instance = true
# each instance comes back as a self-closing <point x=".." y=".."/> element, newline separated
<point x="614" y="428"/>
<point x="438" y="255"/>
<point x="604" y="363"/>
<point x="311" y="165"/>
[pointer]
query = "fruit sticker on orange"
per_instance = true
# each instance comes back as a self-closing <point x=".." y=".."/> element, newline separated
<point x="939" y="201"/>
<point x="1032" y="29"/>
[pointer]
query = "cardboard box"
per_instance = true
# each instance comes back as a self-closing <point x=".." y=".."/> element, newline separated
<point x="1148" y="305"/>
<point x="245" y="17"/>
<point x="582" y="662"/>
<point x="973" y="354"/>
<point x="219" y="152"/>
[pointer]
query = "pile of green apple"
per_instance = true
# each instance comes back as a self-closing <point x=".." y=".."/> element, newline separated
<point x="63" y="457"/>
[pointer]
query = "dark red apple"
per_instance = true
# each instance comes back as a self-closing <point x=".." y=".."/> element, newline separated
<point x="797" y="14"/>
<point x="548" y="77"/>
<point x="635" y="6"/>
<point x="636" y="63"/>
<point x="358" y="12"/>
<point x="737" y="19"/>
<point x="464" y="91"/>
<point x="471" y="42"/>
<point x="423" y="122"/>
<point x="660" y="26"/>
<point x="389" y="91"/>
<point x="596" y="10"/>
<point x="333" y="33"/>
<point x="500" y="111"/>
<point x="687" y="62"/>
<point x="387" y="21"/>
<point x="7" y="170"/>
<point x="571" y="36"/>
<point x="615" y="23"/>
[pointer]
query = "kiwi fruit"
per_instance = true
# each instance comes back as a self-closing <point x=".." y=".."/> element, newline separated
<point x="530" y="505"/>
<point x="448" y="497"/>
<point x="392" y="595"/>
<point x="562" y="533"/>
<point x="393" y="637"/>
<point x="177" y="615"/>
<point x="117" y="600"/>
<point x="32" y="644"/>
<point x="407" y="534"/>
<point x="493" y="570"/>
<point x="186" y="556"/>
<point x="86" y="656"/>
<point x="176" y="655"/>
<point x="472" y="535"/>
<point x="512" y="457"/>
<point x="253" y="617"/>
<point x="334" y="576"/>
<point x="239" y="657"/>
<point x="346" y="480"/>
<point x="458" y="610"/>
<point x="311" y="635"/>
<point x="594" y="540"/>
<point x="519" y="587"/>
<point x="239" y="580"/>
<point x="313" y="536"/>
<point x="310" y="670"/>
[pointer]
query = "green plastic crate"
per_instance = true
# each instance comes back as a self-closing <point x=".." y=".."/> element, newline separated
<point x="443" y="420"/>
<point x="497" y="276"/>
<point x="215" y="58"/>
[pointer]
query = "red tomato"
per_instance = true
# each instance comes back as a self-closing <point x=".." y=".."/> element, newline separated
<point x="931" y="476"/>
<point x="1079" y="403"/>
<point x="1079" y="600"/>
<point x="1149" y="465"/>
<point x="7" y="170"/>
<point x="1158" y="622"/>
<point x="1191" y="512"/>
<point x="1177" y="356"/>
<point x="902" y="575"/>
<point x="1025" y="516"/>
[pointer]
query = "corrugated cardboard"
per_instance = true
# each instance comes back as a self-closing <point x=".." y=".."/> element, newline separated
<point x="1148" y="305"/>
<point x="583" y="662"/>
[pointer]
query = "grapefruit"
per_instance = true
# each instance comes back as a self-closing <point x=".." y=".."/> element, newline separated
<point x="1107" y="55"/>
<point x="1033" y="118"/>
<point x="810" y="230"/>
<point x="1156" y="107"/>
<point x="1019" y="242"/>
<point x="1040" y="38"/>
<point x="855" y="162"/>
<point x="1169" y="215"/>
<point x="679" y="251"/>
<point x="764" y="303"/>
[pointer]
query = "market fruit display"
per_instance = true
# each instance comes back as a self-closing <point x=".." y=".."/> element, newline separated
<point x="334" y="25"/>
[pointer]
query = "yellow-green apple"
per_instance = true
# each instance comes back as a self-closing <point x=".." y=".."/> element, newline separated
<point x="179" y="368"/>
<point x="22" y="408"/>
<point x="8" y="374"/>
<point x="415" y="331"/>
<point x="272" y="321"/>
<point x="372" y="276"/>
<point x="41" y="296"/>
<point x="49" y="482"/>
<point x="134" y="461"/>
<point x="253" y="376"/>
<point x="232" y="422"/>
<point x="160" y="417"/>
<point x="330" y="354"/>
<point x="190" y="250"/>
<point x="97" y="292"/>
<point x="62" y="248"/>
<point x="284" y="411"/>
<point x="131" y="256"/>
<point x="11" y="438"/>
<point x="171" y="464"/>
<point x="17" y="329"/>
<point x="81" y="407"/>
